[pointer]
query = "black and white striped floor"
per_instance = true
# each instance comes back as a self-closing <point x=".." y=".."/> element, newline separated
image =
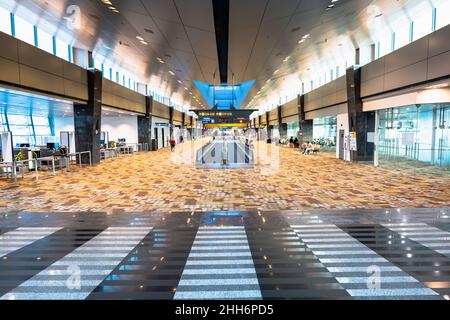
<point x="353" y="254"/>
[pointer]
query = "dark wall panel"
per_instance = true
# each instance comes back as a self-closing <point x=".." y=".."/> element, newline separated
<point x="87" y="118"/>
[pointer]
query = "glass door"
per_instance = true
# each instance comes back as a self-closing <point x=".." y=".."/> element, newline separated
<point x="415" y="138"/>
<point x="442" y="150"/>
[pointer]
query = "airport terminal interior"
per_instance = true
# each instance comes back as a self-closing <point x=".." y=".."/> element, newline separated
<point x="225" y="150"/>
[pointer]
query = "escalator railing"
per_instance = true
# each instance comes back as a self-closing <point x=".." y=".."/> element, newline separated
<point x="225" y="153"/>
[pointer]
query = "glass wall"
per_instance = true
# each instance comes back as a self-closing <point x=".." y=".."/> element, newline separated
<point x="325" y="132"/>
<point x="21" y="128"/>
<point x="24" y="30"/>
<point x="21" y="28"/>
<point x="42" y="131"/>
<point x="45" y="41"/>
<point x="292" y="129"/>
<point x="442" y="16"/>
<point x="415" y="136"/>
<point x="62" y="49"/>
<point x="422" y="18"/>
<point x="33" y="130"/>
<point x="5" y="21"/>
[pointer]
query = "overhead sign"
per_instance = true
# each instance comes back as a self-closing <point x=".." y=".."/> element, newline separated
<point x="224" y="116"/>
<point x="215" y="114"/>
<point x="225" y="125"/>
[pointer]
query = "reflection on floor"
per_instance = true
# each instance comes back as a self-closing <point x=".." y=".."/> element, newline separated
<point x="348" y="254"/>
<point x="153" y="182"/>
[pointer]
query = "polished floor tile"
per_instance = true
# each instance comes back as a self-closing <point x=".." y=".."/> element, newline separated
<point x="325" y="254"/>
<point x="347" y="252"/>
<point x="220" y="264"/>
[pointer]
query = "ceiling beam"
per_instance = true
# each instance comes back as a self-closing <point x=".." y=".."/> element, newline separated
<point x="221" y="10"/>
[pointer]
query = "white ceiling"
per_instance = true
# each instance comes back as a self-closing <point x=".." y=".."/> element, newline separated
<point x="181" y="32"/>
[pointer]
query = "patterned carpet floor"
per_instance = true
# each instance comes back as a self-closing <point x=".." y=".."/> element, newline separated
<point x="283" y="179"/>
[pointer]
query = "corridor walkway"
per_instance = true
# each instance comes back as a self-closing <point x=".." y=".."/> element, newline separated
<point x="154" y="182"/>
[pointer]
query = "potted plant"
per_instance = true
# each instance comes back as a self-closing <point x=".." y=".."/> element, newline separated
<point x="19" y="156"/>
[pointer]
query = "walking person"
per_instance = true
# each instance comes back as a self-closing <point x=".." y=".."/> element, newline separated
<point x="291" y="142"/>
<point x="172" y="143"/>
<point x="224" y="156"/>
<point x="247" y="151"/>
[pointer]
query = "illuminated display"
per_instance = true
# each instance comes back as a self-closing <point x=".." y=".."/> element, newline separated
<point x="225" y="125"/>
<point x="227" y="118"/>
<point x="215" y="114"/>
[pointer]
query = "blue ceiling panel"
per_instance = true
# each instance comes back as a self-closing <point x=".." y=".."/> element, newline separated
<point x="225" y="97"/>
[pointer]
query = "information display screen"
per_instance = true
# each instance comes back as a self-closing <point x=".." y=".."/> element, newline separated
<point x="224" y="117"/>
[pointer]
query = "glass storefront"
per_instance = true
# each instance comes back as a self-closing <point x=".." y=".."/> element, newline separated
<point x="292" y="129"/>
<point x="415" y="135"/>
<point x="276" y="133"/>
<point x="325" y="132"/>
<point x="26" y="129"/>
